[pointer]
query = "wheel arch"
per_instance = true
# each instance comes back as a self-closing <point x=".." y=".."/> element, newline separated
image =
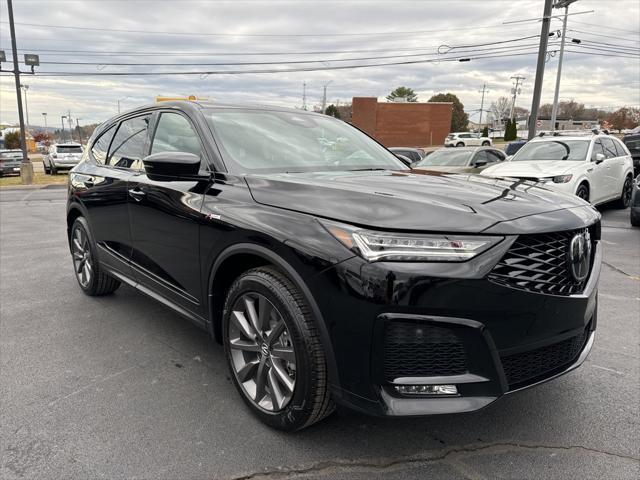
<point x="74" y="210"/>
<point x="241" y="257"/>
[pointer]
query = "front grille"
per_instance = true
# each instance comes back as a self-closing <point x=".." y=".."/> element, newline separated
<point x="414" y="349"/>
<point x="533" y="365"/>
<point x="538" y="263"/>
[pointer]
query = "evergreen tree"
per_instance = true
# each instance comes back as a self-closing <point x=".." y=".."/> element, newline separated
<point x="485" y="131"/>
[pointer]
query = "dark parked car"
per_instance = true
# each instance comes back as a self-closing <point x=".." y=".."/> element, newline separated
<point x="633" y="144"/>
<point x="413" y="154"/>
<point x="335" y="274"/>
<point x="635" y="203"/>
<point x="460" y="160"/>
<point x="10" y="162"/>
<point x="514" y="146"/>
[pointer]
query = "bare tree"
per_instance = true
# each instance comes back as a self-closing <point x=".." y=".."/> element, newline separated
<point x="500" y="108"/>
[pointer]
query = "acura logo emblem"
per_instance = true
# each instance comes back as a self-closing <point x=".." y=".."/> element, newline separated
<point x="579" y="256"/>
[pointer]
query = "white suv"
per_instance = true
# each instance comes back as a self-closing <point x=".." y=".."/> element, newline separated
<point x="597" y="168"/>
<point x="466" y="139"/>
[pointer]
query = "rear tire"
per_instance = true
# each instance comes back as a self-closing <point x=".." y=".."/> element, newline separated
<point x="583" y="192"/>
<point x="625" y="196"/>
<point x="53" y="170"/>
<point x="281" y="376"/>
<point x="486" y="144"/>
<point x="635" y="219"/>
<point x="92" y="280"/>
<point x="459" y="144"/>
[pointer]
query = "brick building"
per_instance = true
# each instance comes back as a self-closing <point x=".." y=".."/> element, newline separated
<point x="408" y="124"/>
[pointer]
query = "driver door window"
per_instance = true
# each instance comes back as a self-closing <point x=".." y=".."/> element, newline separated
<point x="597" y="148"/>
<point x="174" y="133"/>
<point x="129" y="144"/>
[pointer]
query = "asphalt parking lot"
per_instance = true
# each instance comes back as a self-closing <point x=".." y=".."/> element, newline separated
<point x="121" y="387"/>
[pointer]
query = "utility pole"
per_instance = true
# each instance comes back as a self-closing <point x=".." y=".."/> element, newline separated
<point x="304" y="95"/>
<point x="484" y="90"/>
<point x="554" y="111"/>
<point x="515" y="92"/>
<point x="62" y="117"/>
<point x="324" y="95"/>
<point x="26" y="104"/>
<point x="70" y="121"/>
<point x="44" y="114"/>
<point x="79" y="129"/>
<point x="26" y="168"/>
<point x="542" y="55"/>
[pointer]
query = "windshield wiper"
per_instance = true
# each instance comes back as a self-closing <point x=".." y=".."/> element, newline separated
<point x="371" y="169"/>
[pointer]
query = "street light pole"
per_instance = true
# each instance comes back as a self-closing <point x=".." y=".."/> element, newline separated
<point x="79" y="130"/>
<point x="26" y="168"/>
<point x="44" y="114"/>
<point x="542" y="55"/>
<point x="324" y="95"/>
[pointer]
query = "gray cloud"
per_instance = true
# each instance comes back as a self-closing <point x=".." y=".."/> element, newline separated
<point x="596" y="80"/>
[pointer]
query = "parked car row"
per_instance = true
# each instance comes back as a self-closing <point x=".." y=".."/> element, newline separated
<point x="331" y="272"/>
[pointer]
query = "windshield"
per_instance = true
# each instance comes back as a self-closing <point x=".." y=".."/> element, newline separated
<point x="275" y="141"/>
<point x="572" y="150"/>
<point x="453" y="158"/>
<point x="69" y="149"/>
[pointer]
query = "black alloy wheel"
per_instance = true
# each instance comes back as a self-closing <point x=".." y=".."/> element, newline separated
<point x="273" y="350"/>
<point x="583" y="192"/>
<point x="92" y="280"/>
<point x="625" y="196"/>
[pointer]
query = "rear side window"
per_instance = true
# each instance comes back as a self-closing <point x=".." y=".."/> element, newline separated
<point x="619" y="148"/>
<point x="101" y="146"/>
<point x="174" y="133"/>
<point x="609" y="148"/>
<point x="495" y="156"/>
<point x="482" y="156"/>
<point x="128" y="145"/>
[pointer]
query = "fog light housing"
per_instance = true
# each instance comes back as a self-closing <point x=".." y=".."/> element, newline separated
<point x="427" y="389"/>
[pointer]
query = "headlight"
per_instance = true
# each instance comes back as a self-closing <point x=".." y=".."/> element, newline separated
<point x="562" y="178"/>
<point x="409" y="247"/>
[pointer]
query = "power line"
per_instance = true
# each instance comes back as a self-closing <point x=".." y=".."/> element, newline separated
<point x="601" y="35"/>
<point x="259" y="35"/>
<point x="606" y="27"/>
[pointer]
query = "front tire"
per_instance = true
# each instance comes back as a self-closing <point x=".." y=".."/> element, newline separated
<point x="273" y="350"/>
<point x="460" y="144"/>
<point x="583" y="192"/>
<point x="625" y="196"/>
<point x="47" y="170"/>
<point x="92" y="280"/>
<point x="486" y="144"/>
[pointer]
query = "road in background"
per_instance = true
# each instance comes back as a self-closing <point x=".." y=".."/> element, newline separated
<point x="122" y="387"/>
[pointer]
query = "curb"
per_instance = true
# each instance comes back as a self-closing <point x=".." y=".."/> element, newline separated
<point x="48" y="186"/>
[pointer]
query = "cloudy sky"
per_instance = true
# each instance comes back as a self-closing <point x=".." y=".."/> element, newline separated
<point x="199" y="36"/>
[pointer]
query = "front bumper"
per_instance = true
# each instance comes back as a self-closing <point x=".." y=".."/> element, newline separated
<point x="10" y="169"/>
<point x="497" y="327"/>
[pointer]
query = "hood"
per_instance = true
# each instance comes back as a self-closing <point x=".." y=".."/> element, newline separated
<point x="408" y="201"/>
<point x="533" y="169"/>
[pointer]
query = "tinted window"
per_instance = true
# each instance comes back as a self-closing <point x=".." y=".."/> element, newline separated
<point x="609" y="148"/>
<point x="101" y="146"/>
<point x="495" y="156"/>
<point x="447" y="157"/>
<point x="414" y="156"/>
<point x="175" y="134"/>
<point x="69" y="149"/>
<point x="481" y="156"/>
<point x="619" y="148"/>
<point x="127" y="148"/>
<point x="11" y="154"/>
<point x="633" y="144"/>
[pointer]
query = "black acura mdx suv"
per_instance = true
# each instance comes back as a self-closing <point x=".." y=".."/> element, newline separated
<point x="328" y="270"/>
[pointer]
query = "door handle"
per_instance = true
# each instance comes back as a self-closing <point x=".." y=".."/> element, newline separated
<point x="137" y="194"/>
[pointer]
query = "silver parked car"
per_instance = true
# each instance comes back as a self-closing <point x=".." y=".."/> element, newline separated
<point x="10" y="161"/>
<point x="62" y="156"/>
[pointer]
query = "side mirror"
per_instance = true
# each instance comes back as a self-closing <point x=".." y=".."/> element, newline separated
<point x="167" y="166"/>
<point x="407" y="161"/>
<point x="480" y="163"/>
<point x="600" y="157"/>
